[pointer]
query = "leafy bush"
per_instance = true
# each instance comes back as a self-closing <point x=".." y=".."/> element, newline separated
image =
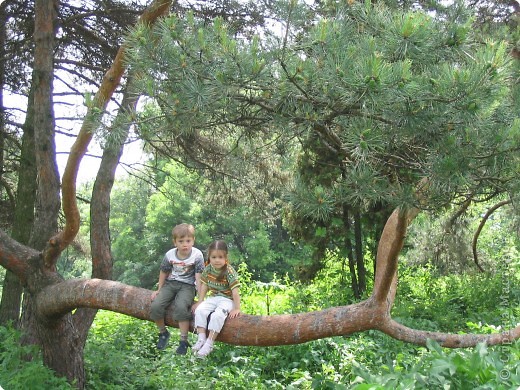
<point x="477" y="368"/>
<point x="120" y="352"/>
<point x="17" y="371"/>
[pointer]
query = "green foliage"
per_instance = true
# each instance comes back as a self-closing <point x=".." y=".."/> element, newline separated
<point x="141" y="234"/>
<point x="18" y="372"/>
<point x="120" y="352"/>
<point x="365" y="99"/>
<point x="445" y="242"/>
<point x="478" y="368"/>
<point x="463" y="300"/>
<point x="127" y="227"/>
<point x="118" y="345"/>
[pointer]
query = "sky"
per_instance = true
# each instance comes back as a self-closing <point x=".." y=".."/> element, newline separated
<point x="132" y="153"/>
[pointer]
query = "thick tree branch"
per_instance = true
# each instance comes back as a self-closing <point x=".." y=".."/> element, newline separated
<point x="284" y="329"/>
<point x="390" y="244"/>
<point x="11" y="255"/>
<point x="58" y="299"/>
<point x="448" y="340"/>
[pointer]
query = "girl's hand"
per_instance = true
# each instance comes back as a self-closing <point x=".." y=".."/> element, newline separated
<point x="234" y="313"/>
<point x="154" y="294"/>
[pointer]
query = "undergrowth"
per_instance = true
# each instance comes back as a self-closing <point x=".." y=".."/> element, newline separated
<point x="120" y="352"/>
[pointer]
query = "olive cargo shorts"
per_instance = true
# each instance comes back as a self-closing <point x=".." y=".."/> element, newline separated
<point x="182" y="295"/>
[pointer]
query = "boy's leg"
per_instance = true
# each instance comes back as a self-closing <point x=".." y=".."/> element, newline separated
<point x="184" y="328"/>
<point x="157" y="311"/>
<point x="182" y="313"/>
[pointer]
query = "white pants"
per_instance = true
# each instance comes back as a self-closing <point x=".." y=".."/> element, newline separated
<point x="219" y="306"/>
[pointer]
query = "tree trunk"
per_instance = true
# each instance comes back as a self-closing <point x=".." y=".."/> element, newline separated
<point x="102" y="261"/>
<point x="24" y="216"/>
<point x="11" y="298"/>
<point x="48" y="200"/>
<point x="350" y="254"/>
<point x="61" y="346"/>
<point x="62" y="336"/>
<point x="57" y="337"/>
<point x="3" y="34"/>
<point x="360" y="263"/>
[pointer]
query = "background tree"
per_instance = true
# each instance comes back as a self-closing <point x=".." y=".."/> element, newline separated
<point x="80" y="57"/>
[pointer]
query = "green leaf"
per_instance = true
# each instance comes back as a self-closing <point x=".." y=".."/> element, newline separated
<point x="442" y="365"/>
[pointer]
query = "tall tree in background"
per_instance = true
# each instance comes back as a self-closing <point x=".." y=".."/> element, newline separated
<point x="80" y="57"/>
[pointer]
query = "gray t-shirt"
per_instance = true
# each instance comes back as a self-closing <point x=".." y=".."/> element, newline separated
<point x="183" y="270"/>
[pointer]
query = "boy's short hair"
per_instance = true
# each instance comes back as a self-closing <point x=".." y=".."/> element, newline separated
<point x="183" y="230"/>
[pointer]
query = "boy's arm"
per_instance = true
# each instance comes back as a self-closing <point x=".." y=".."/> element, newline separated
<point x="202" y="294"/>
<point x="162" y="278"/>
<point x="198" y="284"/>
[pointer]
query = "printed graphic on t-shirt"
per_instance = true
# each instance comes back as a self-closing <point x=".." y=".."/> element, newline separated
<point x="180" y="267"/>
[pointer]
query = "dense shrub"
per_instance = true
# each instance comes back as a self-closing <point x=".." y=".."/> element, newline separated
<point x="21" y="367"/>
<point x="121" y="354"/>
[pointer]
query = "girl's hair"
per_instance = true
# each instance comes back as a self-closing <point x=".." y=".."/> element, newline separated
<point x="218" y="245"/>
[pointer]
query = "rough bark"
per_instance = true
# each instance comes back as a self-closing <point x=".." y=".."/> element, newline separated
<point x="48" y="200"/>
<point x="24" y="216"/>
<point x="3" y="34"/>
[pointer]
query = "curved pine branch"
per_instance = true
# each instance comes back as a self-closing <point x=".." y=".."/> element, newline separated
<point x="95" y="111"/>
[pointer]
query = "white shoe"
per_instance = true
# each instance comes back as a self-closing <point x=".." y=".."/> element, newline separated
<point x="198" y="345"/>
<point x="205" y="350"/>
